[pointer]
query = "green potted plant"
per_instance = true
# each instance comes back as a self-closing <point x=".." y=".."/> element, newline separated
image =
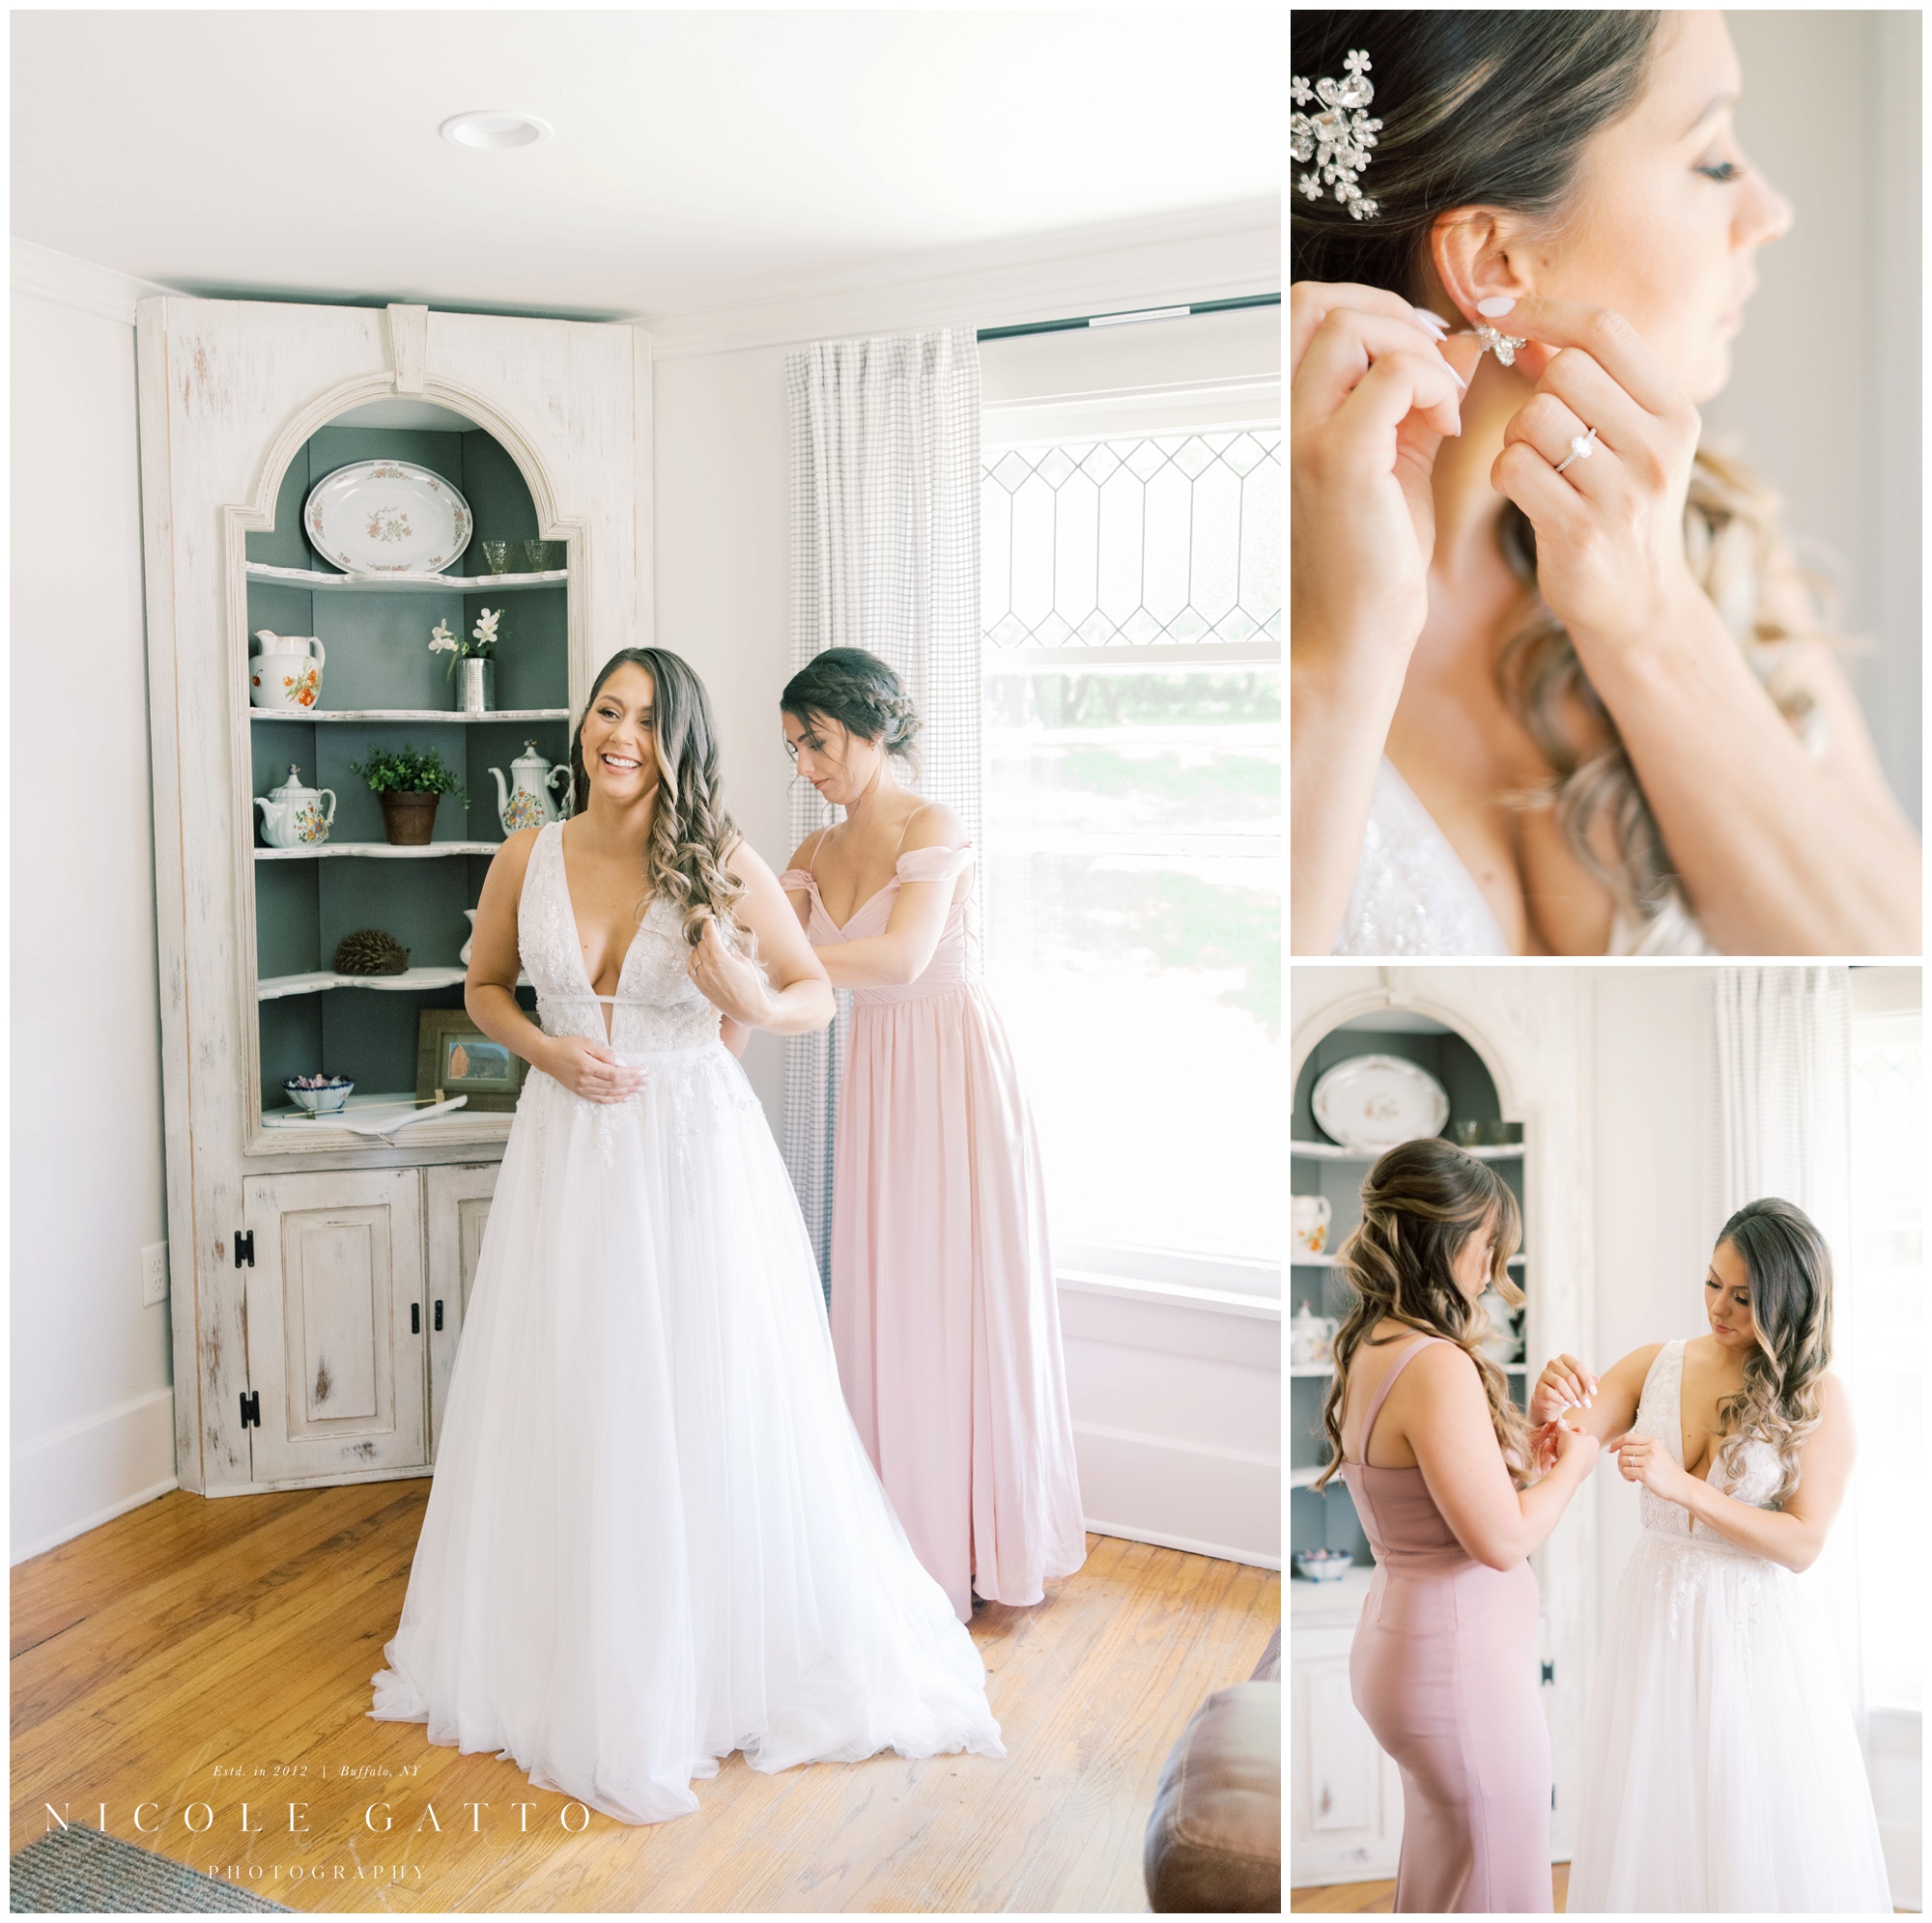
<point x="408" y="781"/>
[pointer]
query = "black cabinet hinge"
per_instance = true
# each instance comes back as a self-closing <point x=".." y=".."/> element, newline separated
<point x="415" y="1319"/>
<point x="251" y="1409"/>
<point x="244" y="1248"/>
<point x="1549" y="1672"/>
<point x="439" y="1313"/>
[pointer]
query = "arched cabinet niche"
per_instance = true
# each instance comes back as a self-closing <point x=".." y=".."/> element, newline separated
<point x="1504" y="1050"/>
<point x="320" y="1270"/>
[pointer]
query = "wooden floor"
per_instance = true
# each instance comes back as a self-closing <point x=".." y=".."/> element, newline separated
<point x="1375" y="1899"/>
<point x="197" y="1652"/>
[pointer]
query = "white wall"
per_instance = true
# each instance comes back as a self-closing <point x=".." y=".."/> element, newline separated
<point x="1652" y="1239"/>
<point x="93" y="1424"/>
<point x="1825" y="393"/>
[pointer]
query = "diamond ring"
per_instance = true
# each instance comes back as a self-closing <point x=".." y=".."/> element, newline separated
<point x="1582" y="447"/>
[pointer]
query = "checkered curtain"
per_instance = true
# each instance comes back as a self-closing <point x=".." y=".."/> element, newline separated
<point x="885" y="555"/>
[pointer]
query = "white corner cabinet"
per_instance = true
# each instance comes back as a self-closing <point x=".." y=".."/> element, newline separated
<point x="321" y="1275"/>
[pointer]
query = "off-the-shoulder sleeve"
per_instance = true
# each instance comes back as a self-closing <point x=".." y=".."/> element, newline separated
<point x="934" y="864"/>
<point x="797" y="881"/>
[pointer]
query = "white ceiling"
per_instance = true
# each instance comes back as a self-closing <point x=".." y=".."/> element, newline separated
<point x="701" y="159"/>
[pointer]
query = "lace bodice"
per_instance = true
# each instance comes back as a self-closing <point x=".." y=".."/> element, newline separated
<point x="1660" y="1412"/>
<point x="1414" y="896"/>
<point x="657" y="1004"/>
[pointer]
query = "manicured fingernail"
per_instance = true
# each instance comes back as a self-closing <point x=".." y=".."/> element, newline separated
<point x="1429" y="320"/>
<point x="1496" y="304"/>
<point x="1460" y="382"/>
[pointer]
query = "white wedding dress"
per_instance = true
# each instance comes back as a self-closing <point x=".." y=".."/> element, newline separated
<point x="1414" y="896"/>
<point x="1721" y="1771"/>
<point x="653" y="1535"/>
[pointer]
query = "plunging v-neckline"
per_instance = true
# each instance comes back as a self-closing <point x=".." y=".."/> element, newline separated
<point x="840" y="927"/>
<point x="577" y="930"/>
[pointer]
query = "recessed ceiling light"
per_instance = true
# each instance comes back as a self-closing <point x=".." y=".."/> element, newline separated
<point x="494" y="128"/>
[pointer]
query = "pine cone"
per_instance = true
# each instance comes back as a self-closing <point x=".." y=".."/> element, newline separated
<point x="370" y="951"/>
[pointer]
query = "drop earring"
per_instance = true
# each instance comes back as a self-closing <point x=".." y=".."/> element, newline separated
<point x="1502" y="346"/>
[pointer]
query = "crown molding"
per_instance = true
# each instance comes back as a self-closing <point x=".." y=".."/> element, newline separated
<point x="104" y="292"/>
<point x="1205" y="254"/>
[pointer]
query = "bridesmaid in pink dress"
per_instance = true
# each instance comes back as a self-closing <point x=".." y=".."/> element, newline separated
<point x="944" y="1316"/>
<point x="1443" y="1668"/>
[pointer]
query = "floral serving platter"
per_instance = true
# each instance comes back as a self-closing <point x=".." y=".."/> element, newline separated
<point x="1370" y="1102"/>
<point x="386" y="517"/>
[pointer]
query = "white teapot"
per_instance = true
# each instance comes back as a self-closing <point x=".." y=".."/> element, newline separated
<point x="285" y="670"/>
<point x="1310" y="1215"/>
<point x="292" y="815"/>
<point x="529" y="803"/>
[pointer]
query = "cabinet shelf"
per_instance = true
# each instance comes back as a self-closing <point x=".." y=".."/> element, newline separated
<point x="455" y="715"/>
<point x="1331" y="1151"/>
<point x="314" y="579"/>
<point x="377" y="851"/>
<point x="272" y="987"/>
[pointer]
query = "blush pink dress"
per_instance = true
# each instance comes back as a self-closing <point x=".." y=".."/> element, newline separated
<point x="1443" y="1671"/>
<point x="944" y="1316"/>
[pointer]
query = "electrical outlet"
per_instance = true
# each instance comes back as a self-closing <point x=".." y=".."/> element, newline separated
<point x="154" y="1274"/>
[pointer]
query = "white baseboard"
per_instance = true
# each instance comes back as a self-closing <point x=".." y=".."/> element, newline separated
<point x="1208" y="1502"/>
<point x="91" y="1472"/>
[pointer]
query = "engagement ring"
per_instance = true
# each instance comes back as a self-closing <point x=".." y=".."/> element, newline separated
<point x="1582" y="447"/>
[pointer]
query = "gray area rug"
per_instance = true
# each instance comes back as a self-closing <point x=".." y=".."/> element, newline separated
<point x="81" y="1870"/>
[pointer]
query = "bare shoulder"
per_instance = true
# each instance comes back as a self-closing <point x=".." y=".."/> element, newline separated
<point x="800" y="856"/>
<point x="750" y="866"/>
<point x="1444" y="1371"/>
<point x="1835" y="1400"/>
<point x="1637" y="1364"/>
<point x="934" y="826"/>
<point x="514" y="856"/>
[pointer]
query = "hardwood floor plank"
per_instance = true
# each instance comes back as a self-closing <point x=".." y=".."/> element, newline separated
<point x="240" y="1635"/>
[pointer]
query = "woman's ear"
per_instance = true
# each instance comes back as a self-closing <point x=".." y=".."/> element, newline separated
<point x="1469" y="252"/>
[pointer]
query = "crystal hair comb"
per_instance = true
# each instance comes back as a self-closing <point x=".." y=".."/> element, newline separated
<point x="1337" y="141"/>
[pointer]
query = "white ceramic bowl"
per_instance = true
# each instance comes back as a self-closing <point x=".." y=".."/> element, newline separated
<point x="1331" y="1568"/>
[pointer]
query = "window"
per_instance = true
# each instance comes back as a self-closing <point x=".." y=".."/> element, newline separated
<point x="1886" y="1289"/>
<point x="1131" y="603"/>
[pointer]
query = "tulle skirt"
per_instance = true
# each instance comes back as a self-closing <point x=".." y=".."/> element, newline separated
<point x="653" y="1535"/>
<point x="1721" y="1771"/>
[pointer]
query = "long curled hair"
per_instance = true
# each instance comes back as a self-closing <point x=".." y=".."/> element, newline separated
<point x="1421" y="1202"/>
<point x="1790" y="1274"/>
<point x="1494" y="107"/>
<point x="688" y="857"/>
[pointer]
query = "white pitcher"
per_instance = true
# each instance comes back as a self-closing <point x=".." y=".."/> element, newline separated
<point x="1310" y="1218"/>
<point x="285" y="670"/>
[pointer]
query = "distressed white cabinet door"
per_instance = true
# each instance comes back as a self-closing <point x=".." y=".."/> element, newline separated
<point x="1346" y="1820"/>
<point x="457" y="1203"/>
<point x="331" y="1353"/>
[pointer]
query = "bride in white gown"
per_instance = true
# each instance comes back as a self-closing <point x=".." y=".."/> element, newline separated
<point x="653" y="1535"/>
<point x="1721" y="1771"/>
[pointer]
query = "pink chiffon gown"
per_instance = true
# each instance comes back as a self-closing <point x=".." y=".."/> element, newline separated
<point x="1443" y="1671"/>
<point x="944" y="1316"/>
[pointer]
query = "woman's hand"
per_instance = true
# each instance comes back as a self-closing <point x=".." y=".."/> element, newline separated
<point x="1564" y="1384"/>
<point x="1373" y="395"/>
<point x="728" y="980"/>
<point x="1643" y="1458"/>
<point x="1609" y="528"/>
<point x="1573" y="1448"/>
<point x="588" y="1068"/>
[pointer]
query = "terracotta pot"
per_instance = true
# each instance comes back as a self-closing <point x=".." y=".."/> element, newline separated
<point x="409" y="820"/>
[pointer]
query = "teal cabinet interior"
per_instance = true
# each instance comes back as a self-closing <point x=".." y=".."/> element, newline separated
<point x="378" y="657"/>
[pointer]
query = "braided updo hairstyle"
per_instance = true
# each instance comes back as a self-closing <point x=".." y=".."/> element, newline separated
<point x="863" y="693"/>
<point x="687" y="859"/>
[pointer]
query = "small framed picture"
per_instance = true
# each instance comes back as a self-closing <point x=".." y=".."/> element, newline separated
<point x="454" y="1056"/>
